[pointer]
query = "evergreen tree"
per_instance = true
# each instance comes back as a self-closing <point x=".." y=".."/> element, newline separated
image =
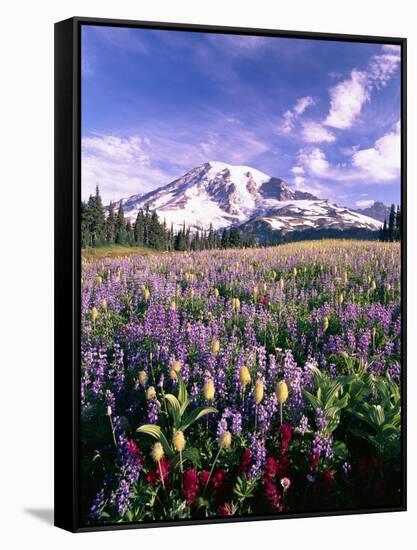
<point x="139" y="229"/>
<point x="180" y="243"/>
<point x="385" y="231"/>
<point x="97" y="219"/>
<point x="155" y="232"/>
<point x="130" y="234"/>
<point x="146" y="227"/>
<point x="391" y="224"/>
<point x="211" y="237"/>
<point x="398" y="224"/>
<point x="225" y="238"/>
<point x="111" y="225"/>
<point x="234" y="237"/>
<point x="121" y="233"/>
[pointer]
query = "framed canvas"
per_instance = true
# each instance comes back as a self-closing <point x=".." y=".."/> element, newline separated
<point x="230" y="296"/>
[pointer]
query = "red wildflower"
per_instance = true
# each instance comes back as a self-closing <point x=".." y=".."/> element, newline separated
<point x="328" y="475"/>
<point x="265" y="300"/>
<point x="270" y="468"/>
<point x="314" y="461"/>
<point x="217" y="479"/>
<point x="245" y="462"/>
<point x="271" y="493"/>
<point x="190" y="485"/>
<point x="226" y="509"/>
<point x="152" y="477"/>
<point x="282" y="465"/>
<point x="286" y="436"/>
<point x="165" y="467"/>
<point x="134" y="451"/>
<point x="155" y="475"/>
<point x="204" y="475"/>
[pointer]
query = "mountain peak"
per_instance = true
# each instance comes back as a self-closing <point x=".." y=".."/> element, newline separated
<point x="220" y="195"/>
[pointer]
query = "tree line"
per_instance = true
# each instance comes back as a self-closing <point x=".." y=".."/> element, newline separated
<point x="391" y="230"/>
<point x="147" y="230"/>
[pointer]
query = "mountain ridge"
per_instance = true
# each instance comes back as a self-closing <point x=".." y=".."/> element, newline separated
<point x="224" y="195"/>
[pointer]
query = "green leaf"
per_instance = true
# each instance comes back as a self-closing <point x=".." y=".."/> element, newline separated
<point x="175" y="408"/>
<point x="377" y="415"/>
<point x="195" y="415"/>
<point x="340" y="450"/>
<point x="314" y="402"/>
<point x="150" y="429"/>
<point x="182" y="390"/>
<point x="331" y="393"/>
<point x="317" y="372"/>
<point x="192" y="454"/>
<point x="155" y="431"/>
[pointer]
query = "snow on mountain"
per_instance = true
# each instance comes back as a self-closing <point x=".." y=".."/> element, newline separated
<point x="378" y="210"/>
<point x="224" y="195"/>
<point x="301" y="215"/>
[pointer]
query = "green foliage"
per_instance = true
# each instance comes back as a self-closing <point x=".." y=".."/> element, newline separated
<point x="374" y="402"/>
<point x="178" y="420"/>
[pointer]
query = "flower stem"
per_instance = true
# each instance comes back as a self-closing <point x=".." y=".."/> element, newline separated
<point x="211" y="471"/>
<point x="160" y="473"/>
<point x="280" y="412"/>
<point x="181" y="470"/>
<point x="112" y="431"/>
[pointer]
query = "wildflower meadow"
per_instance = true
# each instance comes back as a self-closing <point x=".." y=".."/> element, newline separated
<point x="241" y="382"/>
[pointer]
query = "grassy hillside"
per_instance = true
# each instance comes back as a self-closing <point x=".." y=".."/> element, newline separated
<point x="114" y="251"/>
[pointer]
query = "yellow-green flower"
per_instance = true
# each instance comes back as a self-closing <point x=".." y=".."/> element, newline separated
<point x="143" y="378"/>
<point x="150" y="393"/>
<point x="157" y="452"/>
<point x="244" y="376"/>
<point x="225" y="440"/>
<point x="215" y="347"/>
<point x="209" y="389"/>
<point x="281" y="392"/>
<point x="179" y="441"/>
<point x="94" y="313"/>
<point x="258" y="391"/>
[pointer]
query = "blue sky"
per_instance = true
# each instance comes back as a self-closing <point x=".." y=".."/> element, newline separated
<point x="322" y="115"/>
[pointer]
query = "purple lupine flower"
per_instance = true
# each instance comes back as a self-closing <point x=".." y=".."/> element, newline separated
<point x="258" y="453"/>
<point x="303" y="425"/>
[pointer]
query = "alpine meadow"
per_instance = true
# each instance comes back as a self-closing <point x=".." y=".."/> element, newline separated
<point x="241" y="276"/>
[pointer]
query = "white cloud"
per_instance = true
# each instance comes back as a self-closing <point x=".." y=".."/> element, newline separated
<point x="299" y="181"/>
<point x="314" y="132"/>
<point x="392" y="48"/>
<point x="124" y="166"/>
<point x="289" y="117"/>
<point x="314" y="161"/>
<point x="378" y="164"/>
<point x="364" y="203"/>
<point x="287" y="122"/>
<point x="119" y="166"/>
<point x="302" y="104"/>
<point x="382" y="161"/>
<point x="349" y="96"/>
<point x="116" y="147"/>
<point x="346" y="100"/>
<point x="297" y="170"/>
<point x="383" y="66"/>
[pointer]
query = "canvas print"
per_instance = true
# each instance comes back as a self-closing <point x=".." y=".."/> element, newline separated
<point x="241" y="275"/>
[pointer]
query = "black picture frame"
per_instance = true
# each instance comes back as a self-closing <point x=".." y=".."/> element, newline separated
<point x="68" y="261"/>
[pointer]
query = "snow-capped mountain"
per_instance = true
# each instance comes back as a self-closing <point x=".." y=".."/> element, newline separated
<point x="225" y="195"/>
<point x="378" y="211"/>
